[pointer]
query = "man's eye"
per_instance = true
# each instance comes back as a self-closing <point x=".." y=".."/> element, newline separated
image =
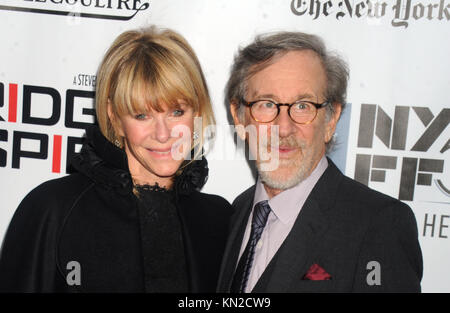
<point x="301" y="106"/>
<point x="264" y="104"/>
<point x="141" y="116"/>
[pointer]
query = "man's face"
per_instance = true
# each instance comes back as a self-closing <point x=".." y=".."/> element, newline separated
<point x="296" y="75"/>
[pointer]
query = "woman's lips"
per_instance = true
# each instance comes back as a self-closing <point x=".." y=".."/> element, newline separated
<point x="163" y="152"/>
<point x="160" y="153"/>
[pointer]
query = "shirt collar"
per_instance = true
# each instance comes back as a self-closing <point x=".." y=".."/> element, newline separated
<point x="287" y="204"/>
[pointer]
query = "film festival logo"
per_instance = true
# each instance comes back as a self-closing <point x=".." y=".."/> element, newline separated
<point x="72" y="107"/>
<point x="393" y="132"/>
<point x="374" y="11"/>
<point x="98" y="9"/>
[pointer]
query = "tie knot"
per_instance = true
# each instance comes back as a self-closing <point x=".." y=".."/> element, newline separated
<point x="261" y="213"/>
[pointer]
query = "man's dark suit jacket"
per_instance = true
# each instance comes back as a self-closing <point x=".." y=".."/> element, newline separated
<point x="342" y="226"/>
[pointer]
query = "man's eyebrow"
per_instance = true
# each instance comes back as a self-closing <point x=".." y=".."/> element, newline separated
<point x="302" y="96"/>
<point x="264" y="96"/>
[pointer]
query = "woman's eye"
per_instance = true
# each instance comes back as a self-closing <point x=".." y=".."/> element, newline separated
<point x="141" y="116"/>
<point x="178" y="112"/>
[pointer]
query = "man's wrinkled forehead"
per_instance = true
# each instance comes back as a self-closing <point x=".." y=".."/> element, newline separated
<point x="308" y="76"/>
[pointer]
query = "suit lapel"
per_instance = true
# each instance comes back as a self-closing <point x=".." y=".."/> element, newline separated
<point x="299" y="248"/>
<point x="296" y="253"/>
<point x="243" y="206"/>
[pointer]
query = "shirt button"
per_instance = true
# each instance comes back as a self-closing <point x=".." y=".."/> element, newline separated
<point x="259" y="245"/>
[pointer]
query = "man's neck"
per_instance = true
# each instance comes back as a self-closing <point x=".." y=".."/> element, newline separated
<point x="272" y="192"/>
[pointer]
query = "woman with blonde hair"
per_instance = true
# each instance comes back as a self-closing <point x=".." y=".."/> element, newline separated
<point x="131" y="218"/>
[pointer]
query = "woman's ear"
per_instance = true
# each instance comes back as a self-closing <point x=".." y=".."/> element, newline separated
<point x="115" y="122"/>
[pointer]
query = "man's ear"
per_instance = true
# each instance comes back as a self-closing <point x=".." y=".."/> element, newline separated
<point x="115" y="122"/>
<point x="331" y="125"/>
<point x="240" y="128"/>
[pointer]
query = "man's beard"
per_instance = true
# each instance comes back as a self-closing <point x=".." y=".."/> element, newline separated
<point x="300" y="168"/>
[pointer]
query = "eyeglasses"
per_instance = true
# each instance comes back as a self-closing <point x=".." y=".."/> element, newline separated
<point x="301" y="112"/>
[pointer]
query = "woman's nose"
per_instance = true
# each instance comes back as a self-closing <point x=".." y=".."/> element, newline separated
<point x="162" y="131"/>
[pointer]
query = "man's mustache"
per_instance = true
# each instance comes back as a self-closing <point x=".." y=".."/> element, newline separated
<point x="287" y="142"/>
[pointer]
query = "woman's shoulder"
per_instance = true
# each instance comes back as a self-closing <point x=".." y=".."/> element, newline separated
<point x="53" y="197"/>
<point x="60" y="188"/>
<point x="212" y="200"/>
<point x="206" y="206"/>
<point x="206" y="216"/>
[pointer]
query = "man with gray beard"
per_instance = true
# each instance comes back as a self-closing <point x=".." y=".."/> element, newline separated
<point x="304" y="226"/>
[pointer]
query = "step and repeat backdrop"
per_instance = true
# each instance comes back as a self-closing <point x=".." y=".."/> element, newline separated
<point x="393" y="136"/>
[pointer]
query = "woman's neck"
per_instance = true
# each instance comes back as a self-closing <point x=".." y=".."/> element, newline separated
<point x="164" y="182"/>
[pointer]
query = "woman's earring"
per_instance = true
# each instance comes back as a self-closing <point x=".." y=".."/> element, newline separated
<point x="195" y="135"/>
<point x="117" y="144"/>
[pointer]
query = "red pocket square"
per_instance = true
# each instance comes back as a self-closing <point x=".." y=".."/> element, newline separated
<point x="316" y="272"/>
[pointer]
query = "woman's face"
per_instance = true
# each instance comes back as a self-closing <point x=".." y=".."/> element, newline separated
<point x="156" y="143"/>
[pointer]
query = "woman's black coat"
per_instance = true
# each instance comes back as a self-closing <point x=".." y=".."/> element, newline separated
<point x="91" y="217"/>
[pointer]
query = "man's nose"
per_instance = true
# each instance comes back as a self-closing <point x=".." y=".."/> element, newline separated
<point x="285" y="123"/>
<point x="162" y="131"/>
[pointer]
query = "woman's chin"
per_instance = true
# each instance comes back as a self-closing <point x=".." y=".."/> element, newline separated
<point x="166" y="171"/>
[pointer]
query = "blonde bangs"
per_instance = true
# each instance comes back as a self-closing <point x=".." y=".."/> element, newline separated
<point x="147" y="70"/>
<point x="148" y="83"/>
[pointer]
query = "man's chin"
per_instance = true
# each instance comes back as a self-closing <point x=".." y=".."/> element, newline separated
<point x="281" y="179"/>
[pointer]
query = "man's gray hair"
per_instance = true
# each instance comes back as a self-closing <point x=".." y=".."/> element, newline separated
<point x="267" y="47"/>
